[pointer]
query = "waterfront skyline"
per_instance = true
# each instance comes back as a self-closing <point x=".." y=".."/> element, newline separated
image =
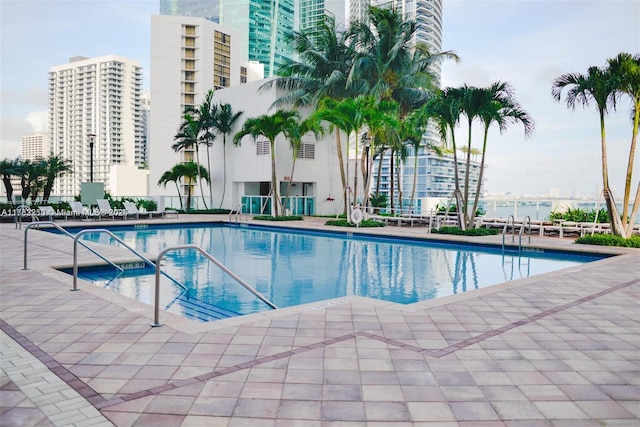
<point x="525" y="43"/>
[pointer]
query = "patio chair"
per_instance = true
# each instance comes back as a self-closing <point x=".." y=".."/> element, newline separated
<point x="79" y="211"/>
<point x="50" y="213"/>
<point x="105" y="210"/>
<point x="132" y="209"/>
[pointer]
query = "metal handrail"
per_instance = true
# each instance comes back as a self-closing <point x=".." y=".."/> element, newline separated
<point x="523" y="227"/>
<point x="510" y="220"/>
<point x="117" y="239"/>
<point x="39" y="223"/>
<point x="237" y="209"/>
<point x="156" y="314"/>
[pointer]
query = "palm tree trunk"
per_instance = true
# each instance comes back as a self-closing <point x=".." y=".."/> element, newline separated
<point x="456" y="172"/>
<point x="634" y="212"/>
<point x="466" y="180"/>
<point x="391" y="179"/>
<point x="293" y="166"/>
<point x="355" y="174"/>
<point x="612" y="210"/>
<point x="179" y="195"/>
<point x="274" y="183"/>
<point x="224" y="169"/>
<point x="380" y="171"/>
<point x="343" y="176"/>
<point x="8" y="187"/>
<point x="479" y="186"/>
<point x="398" y="169"/>
<point x="632" y="151"/>
<point x="209" y="170"/>
<point x="199" y="177"/>
<point x="415" y="179"/>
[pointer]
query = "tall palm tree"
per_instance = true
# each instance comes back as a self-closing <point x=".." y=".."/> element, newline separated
<point x="500" y="107"/>
<point x="269" y="126"/>
<point x="625" y="70"/>
<point x="8" y="168"/>
<point x="295" y="134"/>
<point x="444" y="109"/>
<point x="222" y="122"/>
<point x="204" y="116"/>
<point x="55" y="167"/>
<point x="172" y="176"/>
<point x="597" y="87"/>
<point x="189" y="136"/>
<point x="412" y="131"/>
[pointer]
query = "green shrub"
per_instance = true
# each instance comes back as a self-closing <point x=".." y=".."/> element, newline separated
<point x="363" y="223"/>
<point x="469" y="232"/>
<point x="610" y="240"/>
<point x="278" y="218"/>
<point x="581" y="215"/>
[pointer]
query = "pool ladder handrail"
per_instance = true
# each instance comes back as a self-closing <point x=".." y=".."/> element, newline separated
<point x="117" y="239"/>
<point x="156" y="318"/>
<point x="237" y="210"/>
<point x="526" y="224"/>
<point x="39" y="223"/>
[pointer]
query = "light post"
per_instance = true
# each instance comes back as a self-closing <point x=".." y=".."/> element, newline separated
<point x="91" y="142"/>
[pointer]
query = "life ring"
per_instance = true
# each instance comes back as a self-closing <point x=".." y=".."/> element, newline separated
<point x="357" y="216"/>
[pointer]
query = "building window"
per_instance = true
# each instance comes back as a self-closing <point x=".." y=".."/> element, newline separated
<point x="306" y="151"/>
<point x="262" y="147"/>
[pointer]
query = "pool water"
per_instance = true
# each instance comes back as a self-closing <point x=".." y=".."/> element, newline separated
<point x="291" y="267"/>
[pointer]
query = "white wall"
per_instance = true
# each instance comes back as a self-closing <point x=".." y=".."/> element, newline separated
<point x="128" y="181"/>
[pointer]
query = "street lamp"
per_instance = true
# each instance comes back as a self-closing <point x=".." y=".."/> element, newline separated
<point x="91" y="142"/>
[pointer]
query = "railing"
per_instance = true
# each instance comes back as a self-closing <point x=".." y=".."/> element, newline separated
<point x="510" y="221"/>
<point x="40" y="223"/>
<point x="526" y="223"/>
<point x="156" y="318"/>
<point x="117" y="239"/>
<point x="237" y="209"/>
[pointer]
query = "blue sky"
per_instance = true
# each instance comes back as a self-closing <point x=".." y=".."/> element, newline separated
<point x="525" y="43"/>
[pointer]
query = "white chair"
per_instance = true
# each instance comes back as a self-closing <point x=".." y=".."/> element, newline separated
<point x="105" y="210"/>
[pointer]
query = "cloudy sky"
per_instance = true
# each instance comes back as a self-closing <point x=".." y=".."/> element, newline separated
<point x="523" y="42"/>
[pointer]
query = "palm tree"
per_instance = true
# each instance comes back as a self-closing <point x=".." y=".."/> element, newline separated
<point x="189" y="136"/>
<point x="412" y="131"/>
<point x="269" y="126"/>
<point x="222" y="122"/>
<point x="190" y="172"/>
<point x="444" y="109"/>
<point x="598" y="87"/>
<point x="55" y="167"/>
<point x="625" y="70"/>
<point x="204" y="116"/>
<point x="295" y="135"/>
<point x="171" y="176"/>
<point x="8" y="168"/>
<point x="500" y="107"/>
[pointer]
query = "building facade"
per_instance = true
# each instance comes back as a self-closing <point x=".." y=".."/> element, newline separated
<point x="261" y="26"/>
<point x="189" y="56"/>
<point x="35" y="146"/>
<point x="95" y="121"/>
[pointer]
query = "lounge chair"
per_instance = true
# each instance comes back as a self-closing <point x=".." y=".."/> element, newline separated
<point x="79" y="211"/>
<point x="105" y="210"/>
<point x="132" y="209"/>
<point x="49" y="213"/>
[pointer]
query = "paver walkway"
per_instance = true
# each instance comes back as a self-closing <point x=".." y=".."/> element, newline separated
<point x="561" y="349"/>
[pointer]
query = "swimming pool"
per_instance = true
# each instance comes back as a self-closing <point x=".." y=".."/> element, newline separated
<point x="292" y="267"/>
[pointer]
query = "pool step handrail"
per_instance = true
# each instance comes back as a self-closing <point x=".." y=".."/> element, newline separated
<point x="156" y="315"/>
<point x="510" y="221"/>
<point x="119" y="240"/>
<point x="525" y="227"/>
<point x="39" y="223"/>
<point x="237" y="210"/>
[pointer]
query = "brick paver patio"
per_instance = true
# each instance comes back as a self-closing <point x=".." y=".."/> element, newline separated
<point x="560" y="349"/>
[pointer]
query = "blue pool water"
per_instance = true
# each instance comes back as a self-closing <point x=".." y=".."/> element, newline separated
<point x="292" y="267"/>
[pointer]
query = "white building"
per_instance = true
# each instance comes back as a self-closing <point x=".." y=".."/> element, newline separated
<point x="189" y="56"/>
<point x="315" y="186"/>
<point x="97" y="100"/>
<point x="35" y="146"/>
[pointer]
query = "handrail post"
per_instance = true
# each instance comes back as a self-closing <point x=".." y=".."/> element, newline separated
<point x="156" y="310"/>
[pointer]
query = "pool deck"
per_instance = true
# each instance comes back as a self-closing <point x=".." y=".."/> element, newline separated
<point x="559" y="349"/>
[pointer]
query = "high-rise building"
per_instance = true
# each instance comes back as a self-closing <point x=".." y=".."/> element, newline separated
<point x="35" y="146"/>
<point x="312" y="12"/>
<point x="189" y="56"/>
<point x="95" y="120"/>
<point x="261" y="26"/>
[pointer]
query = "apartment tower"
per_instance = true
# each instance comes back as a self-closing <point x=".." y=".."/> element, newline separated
<point x="35" y="146"/>
<point x="189" y="56"/>
<point x="95" y="118"/>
